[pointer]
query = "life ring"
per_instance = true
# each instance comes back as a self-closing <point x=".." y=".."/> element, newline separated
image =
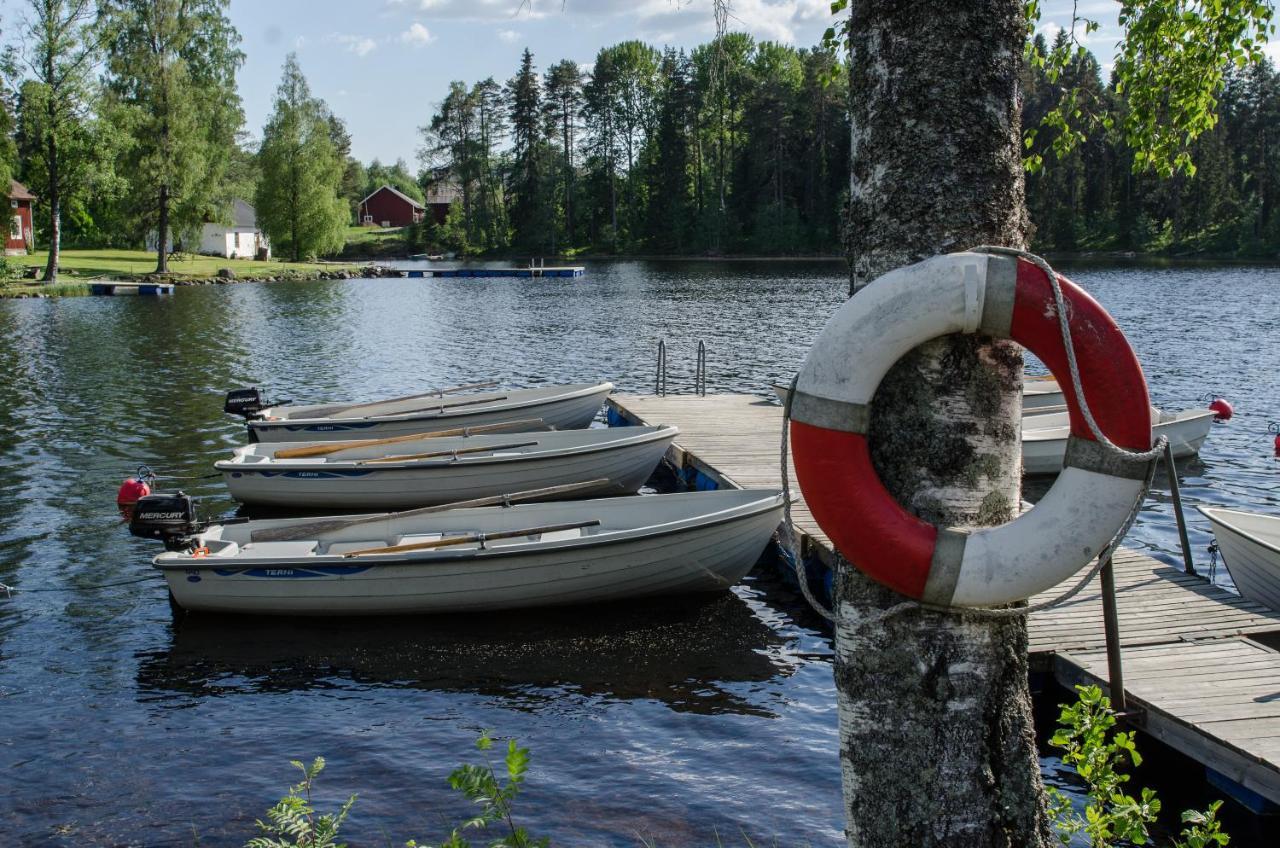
<point x="968" y="293"/>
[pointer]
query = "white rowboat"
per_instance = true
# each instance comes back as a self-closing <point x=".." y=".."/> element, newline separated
<point x="1250" y="547"/>
<point x="565" y="553"/>
<point x="1044" y="437"/>
<point x="427" y="471"/>
<point x="569" y="407"/>
<point x="1036" y="394"/>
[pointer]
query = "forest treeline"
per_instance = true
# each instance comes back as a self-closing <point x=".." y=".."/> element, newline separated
<point x="738" y="146"/>
<point x="124" y="117"/>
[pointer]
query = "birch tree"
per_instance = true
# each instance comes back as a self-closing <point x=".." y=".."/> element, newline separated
<point x="936" y="738"/>
<point x="58" y="51"/>
<point x="299" y="198"/>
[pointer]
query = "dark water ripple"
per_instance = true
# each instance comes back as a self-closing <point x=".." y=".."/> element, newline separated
<point x="669" y="721"/>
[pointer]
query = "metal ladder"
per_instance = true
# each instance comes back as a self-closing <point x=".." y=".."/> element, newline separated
<point x="699" y="373"/>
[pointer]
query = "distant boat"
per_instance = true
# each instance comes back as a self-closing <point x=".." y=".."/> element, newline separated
<point x="1250" y="547"/>
<point x="1044" y="437"/>
<point x="471" y="560"/>
<point x="395" y="474"/>
<point x="568" y="407"/>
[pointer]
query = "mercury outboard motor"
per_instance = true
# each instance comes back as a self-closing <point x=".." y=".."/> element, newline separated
<point x="244" y="402"/>
<point x="169" y="517"/>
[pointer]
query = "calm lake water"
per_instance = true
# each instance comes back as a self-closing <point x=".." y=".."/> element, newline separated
<point x="670" y="722"/>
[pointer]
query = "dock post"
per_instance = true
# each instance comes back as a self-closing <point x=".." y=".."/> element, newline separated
<point x="1172" y="470"/>
<point x="1111" y="624"/>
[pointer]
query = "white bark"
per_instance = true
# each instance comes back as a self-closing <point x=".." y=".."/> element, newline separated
<point x="935" y="717"/>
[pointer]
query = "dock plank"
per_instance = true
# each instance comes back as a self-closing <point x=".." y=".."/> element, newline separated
<point x="1207" y="690"/>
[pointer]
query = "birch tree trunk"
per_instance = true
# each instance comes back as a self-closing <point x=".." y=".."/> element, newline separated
<point x="936" y="734"/>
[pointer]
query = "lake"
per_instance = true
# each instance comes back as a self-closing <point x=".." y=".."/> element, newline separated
<point x="669" y="722"/>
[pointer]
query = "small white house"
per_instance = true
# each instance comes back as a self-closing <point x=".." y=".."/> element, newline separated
<point x="238" y="240"/>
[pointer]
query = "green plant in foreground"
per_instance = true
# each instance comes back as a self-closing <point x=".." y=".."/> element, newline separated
<point x="1112" y="817"/>
<point x="293" y="822"/>
<point x="481" y="785"/>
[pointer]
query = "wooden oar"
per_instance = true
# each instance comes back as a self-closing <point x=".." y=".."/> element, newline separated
<point x="313" y="529"/>
<point x="473" y="537"/>
<point x="321" y="413"/>
<point x="327" y="448"/>
<point x="405" y="457"/>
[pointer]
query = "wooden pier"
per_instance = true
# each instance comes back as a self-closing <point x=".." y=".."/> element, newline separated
<point x="534" y="271"/>
<point x="1203" y="686"/>
<point x="109" y="287"/>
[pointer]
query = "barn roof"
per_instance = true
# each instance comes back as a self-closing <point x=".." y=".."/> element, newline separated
<point x="400" y="194"/>
<point x="17" y="191"/>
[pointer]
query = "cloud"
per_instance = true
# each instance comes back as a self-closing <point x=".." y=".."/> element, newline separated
<point x="790" y="21"/>
<point x="416" y="35"/>
<point x="361" y="45"/>
<point x="510" y="36"/>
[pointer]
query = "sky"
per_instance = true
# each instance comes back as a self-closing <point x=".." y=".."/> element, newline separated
<point x="384" y="65"/>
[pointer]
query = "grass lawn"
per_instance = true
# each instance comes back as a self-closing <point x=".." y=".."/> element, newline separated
<point x="374" y="241"/>
<point x="110" y="263"/>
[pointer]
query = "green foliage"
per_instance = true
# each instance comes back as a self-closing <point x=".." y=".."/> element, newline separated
<point x="1202" y="829"/>
<point x="1099" y="754"/>
<point x="1170" y="68"/>
<point x="171" y="92"/>
<point x="494" y="796"/>
<point x="298" y="199"/>
<point x="293" y="821"/>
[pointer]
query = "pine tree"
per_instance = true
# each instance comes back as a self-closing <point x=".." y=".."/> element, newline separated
<point x="563" y="104"/>
<point x="528" y="202"/>
<point x="299" y="200"/>
<point x="171" y="67"/>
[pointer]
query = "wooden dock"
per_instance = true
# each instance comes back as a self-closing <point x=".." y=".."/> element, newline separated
<point x="531" y="272"/>
<point x="1204" y="687"/>
<point x="109" y="288"/>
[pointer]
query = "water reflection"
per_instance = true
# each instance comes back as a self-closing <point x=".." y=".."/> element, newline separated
<point x="689" y="654"/>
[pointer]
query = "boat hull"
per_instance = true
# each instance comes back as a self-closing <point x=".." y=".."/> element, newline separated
<point x="697" y="557"/>
<point x="624" y="467"/>
<point x="1044" y="449"/>
<point x="1253" y="564"/>
<point x="570" y="411"/>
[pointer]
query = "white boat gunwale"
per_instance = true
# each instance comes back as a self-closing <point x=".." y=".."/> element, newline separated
<point x="272" y="465"/>
<point x="179" y="561"/>
<point x="498" y="404"/>
<point x="1211" y="512"/>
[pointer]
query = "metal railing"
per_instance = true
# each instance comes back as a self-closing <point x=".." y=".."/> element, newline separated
<point x="699" y="373"/>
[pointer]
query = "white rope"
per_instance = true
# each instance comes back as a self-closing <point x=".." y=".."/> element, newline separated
<point x="787" y="539"/>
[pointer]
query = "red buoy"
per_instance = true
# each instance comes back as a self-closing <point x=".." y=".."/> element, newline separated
<point x="1278" y="447"/>
<point x="1223" y="409"/>
<point x="131" y="491"/>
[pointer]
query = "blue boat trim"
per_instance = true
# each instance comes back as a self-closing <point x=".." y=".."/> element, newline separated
<point x="293" y="573"/>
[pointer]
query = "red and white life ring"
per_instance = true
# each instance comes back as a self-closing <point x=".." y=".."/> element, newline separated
<point x="968" y="293"/>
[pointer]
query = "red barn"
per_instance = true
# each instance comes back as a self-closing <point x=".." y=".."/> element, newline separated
<point x="20" y="238"/>
<point x="387" y="207"/>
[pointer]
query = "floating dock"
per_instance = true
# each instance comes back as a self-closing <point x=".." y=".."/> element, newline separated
<point x="113" y="288"/>
<point x="1202" y="685"/>
<point x="531" y="272"/>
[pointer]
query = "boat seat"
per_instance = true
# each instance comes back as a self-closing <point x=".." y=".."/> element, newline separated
<point x="300" y="548"/>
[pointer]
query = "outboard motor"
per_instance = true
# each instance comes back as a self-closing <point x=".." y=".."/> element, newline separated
<point x="169" y="517"/>
<point x="245" y="402"/>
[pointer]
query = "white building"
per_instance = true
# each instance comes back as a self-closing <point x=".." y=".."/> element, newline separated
<point x="238" y="240"/>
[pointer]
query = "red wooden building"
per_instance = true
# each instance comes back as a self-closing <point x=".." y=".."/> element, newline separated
<point x="387" y="207"/>
<point x="20" y="238"/>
